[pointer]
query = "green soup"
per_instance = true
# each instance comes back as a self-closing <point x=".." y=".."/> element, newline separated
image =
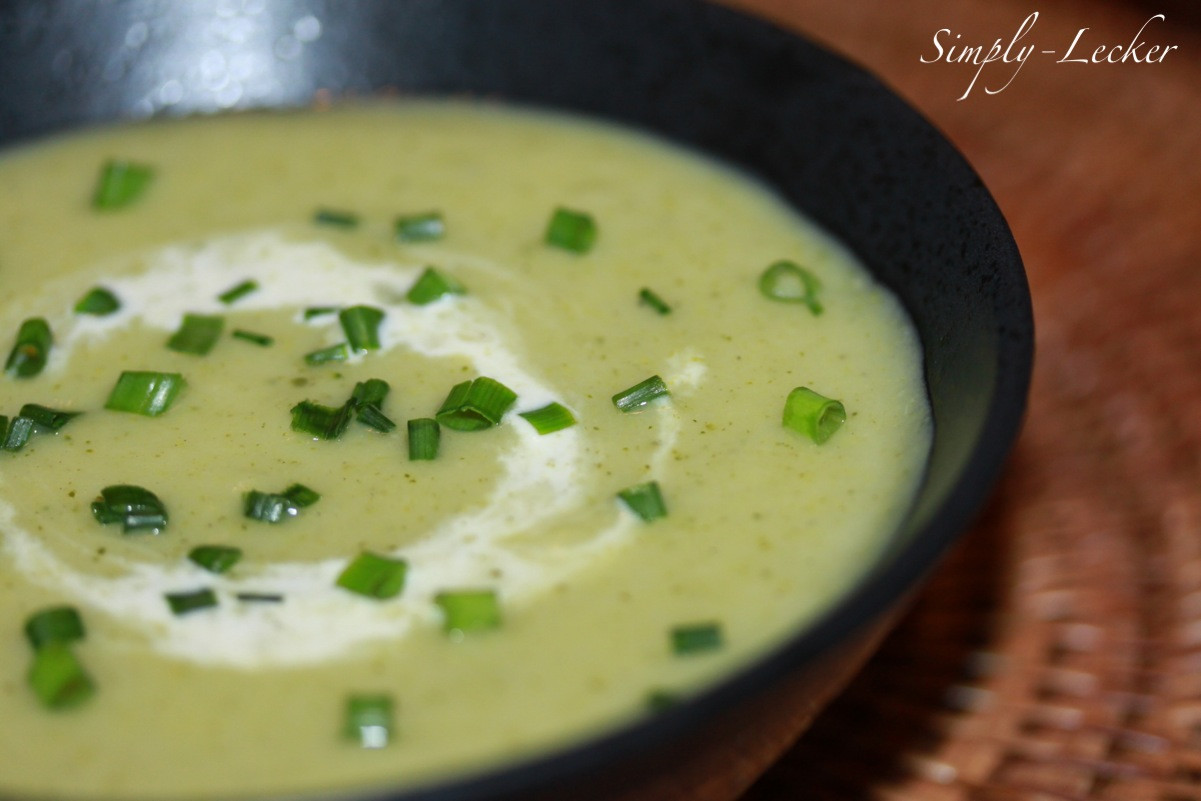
<point x="532" y="587"/>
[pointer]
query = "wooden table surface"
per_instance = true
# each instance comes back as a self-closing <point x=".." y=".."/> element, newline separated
<point x="1091" y="630"/>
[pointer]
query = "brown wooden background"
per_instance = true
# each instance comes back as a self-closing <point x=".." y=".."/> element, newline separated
<point x="1057" y="655"/>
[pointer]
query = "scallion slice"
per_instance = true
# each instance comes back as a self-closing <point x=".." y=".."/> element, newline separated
<point x="238" y="291"/>
<point x="813" y="415"/>
<point x="374" y="576"/>
<point x="184" y="603"/>
<point x="135" y="508"/>
<point x="17" y="433"/>
<point x="368" y="396"/>
<point x="323" y="422"/>
<point x="372" y="417"/>
<point x="268" y="507"/>
<point x="57" y="677"/>
<point x="432" y="285"/>
<point x="98" y="302"/>
<point x="338" y="219"/>
<point x="33" y="417"/>
<point x="788" y="282"/>
<point x="197" y="334"/>
<point x="361" y="324"/>
<point x="659" y="700"/>
<point x="468" y="610"/>
<point x="215" y="558"/>
<point x="56" y="624"/>
<point x="144" y="392"/>
<point x="313" y="312"/>
<point x="571" y="230"/>
<point x="645" y="500"/>
<point x="276" y="507"/>
<point x="46" y="418"/>
<point x="121" y="183"/>
<point x="334" y="353"/>
<point x="425" y="436"/>
<point x="550" y="418"/>
<point x="301" y="496"/>
<point x="260" y="597"/>
<point x="424" y="227"/>
<point x="31" y="349"/>
<point x="696" y="638"/>
<point x="638" y="396"/>
<point x="369" y="720"/>
<point x="475" y="405"/>
<point x="649" y="298"/>
<point x="262" y="340"/>
<point x="371" y="392"/>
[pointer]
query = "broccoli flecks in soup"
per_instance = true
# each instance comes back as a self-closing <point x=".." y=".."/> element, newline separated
<point x="405" y="440"/>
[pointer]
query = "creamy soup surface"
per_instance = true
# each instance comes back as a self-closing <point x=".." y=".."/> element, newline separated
<point x="764" y="527"/>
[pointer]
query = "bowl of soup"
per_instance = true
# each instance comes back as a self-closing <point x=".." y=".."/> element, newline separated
<point x="461" y="400"/>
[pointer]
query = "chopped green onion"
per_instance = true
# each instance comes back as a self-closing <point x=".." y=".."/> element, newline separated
<point x="657" y="303"/>
<point x="371" y="392"/>
<point x="338" y="219"/>
<point x="550" y="418"/>
<point x="475" y="405"/>
<point x="33" y="417"/>
<point x="425" y="435"/>
<point x="659" y="700"/>
<point x="183" y="603"/>
<point x="367" y="397"/>
<point x="147" y="393"/>
<point x="813" y="415"/>
<point x="47" y="418"/>
<point x="238" y="291"/>
<point x="361" y="324"/>
<point x="261" y="340"/>
<point x="197" y="334"/>
<point x="571" y="230"/>
<point x="645" y="500"/>
<point x="98" y="302"/>
<point x="374" y="576"/>
<point x="319" y="311"/>
<point x="432" y="285"/>
<point x="323" y="422"/>
<point x="17" y="433"/>
<point x="260" y="597"/>
<point x="57" y="678"/>
<point x="424" y="227"/>
<point x="468" y="610"/>
<point x="788" y="282"/>
<point x="135" y="508"/>
<point x="56" y="624"/>
<point x="334" y="353"/>
<point x="215" y="558"/>
<point x="372" y="417"/>
<point x="694" y="638"/>
<point x="641" y="394"/>
<point x="121" y="183"/>
<point x="301" y="496"/>
<point x="369" y="720"/>
<point x="31" y="349"/>
<point x="268" y="507"/>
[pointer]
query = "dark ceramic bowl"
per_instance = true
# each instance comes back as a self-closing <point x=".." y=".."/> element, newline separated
<point x="826" y="135"/>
